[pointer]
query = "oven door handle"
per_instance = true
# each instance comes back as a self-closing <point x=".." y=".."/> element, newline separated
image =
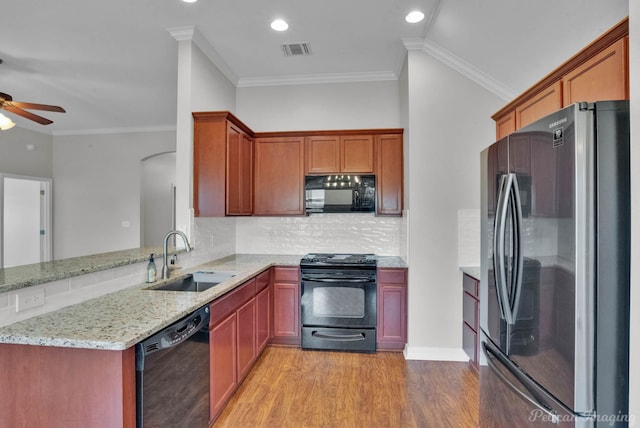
<point x="334" y="280"/>
<point x="341" y="337"/>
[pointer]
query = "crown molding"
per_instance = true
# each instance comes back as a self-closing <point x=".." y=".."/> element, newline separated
<point x="191" y="33"/>
<point x="308" y="79"/>
<point x="170" y="128"/>
<point x="461" y="66"/>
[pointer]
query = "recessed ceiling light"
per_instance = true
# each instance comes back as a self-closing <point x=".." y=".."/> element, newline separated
<point x="279" y="25"/>
<point x="189" y="1"/>
<point x="415" y="16"/>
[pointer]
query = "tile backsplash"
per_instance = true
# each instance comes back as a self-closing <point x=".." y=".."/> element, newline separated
<point x="333" y="233"/>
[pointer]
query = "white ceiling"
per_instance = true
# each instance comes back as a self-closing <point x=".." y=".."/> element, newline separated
<point x="112" y="65"/>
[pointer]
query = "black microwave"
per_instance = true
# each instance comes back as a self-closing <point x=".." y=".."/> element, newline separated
<point x="340" y="193"/>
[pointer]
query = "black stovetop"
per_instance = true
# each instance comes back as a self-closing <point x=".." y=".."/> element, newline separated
<point x="330" y="259"/>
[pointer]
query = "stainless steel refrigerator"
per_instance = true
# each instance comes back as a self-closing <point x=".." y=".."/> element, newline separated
<point x="555" y="272"/>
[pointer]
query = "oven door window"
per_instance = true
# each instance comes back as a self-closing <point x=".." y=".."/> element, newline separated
<point x="338" y="302"/>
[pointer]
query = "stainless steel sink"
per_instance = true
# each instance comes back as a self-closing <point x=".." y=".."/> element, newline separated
<point x="188" y="283"/>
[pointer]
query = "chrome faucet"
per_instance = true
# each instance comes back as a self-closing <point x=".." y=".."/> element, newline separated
<point x="165" y="266"/>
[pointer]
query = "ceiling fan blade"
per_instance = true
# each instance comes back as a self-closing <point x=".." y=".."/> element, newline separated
<point x="17" y="110"/>
<point x="33" y="106"/>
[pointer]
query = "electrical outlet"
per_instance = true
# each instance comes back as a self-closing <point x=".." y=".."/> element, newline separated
<point x="29" y="299"/>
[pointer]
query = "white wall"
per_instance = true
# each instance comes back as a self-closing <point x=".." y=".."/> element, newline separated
<point x="16" y="158"/>
<point x="97" y="188"/>
<point x="201" y="87"/>
<point x="321" y="106"/>
<point x="358" y="105"/>
<point x="449" y="124"/>
<point x="634" y="72"/>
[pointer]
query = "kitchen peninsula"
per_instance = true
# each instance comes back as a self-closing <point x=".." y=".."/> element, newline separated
<point x="82" y="370"/>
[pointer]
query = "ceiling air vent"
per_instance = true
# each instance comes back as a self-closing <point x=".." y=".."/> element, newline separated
<point x="296" y="49"/>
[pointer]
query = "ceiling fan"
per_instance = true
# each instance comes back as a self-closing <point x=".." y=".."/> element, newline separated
<point x="18" y="107"/>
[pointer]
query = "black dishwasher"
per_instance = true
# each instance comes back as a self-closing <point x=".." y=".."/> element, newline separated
<point x="172" y="375"/>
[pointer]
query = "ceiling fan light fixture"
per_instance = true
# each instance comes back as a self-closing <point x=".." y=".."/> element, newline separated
<point x="5" y="123"/>
<point x="279" y="25"/>
<point x="414" y="17"/>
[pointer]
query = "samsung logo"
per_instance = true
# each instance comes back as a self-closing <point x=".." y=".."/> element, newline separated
<point x="557" y="122"/>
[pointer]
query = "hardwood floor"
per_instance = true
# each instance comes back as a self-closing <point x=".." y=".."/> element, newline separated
<point x="289" y="387"/>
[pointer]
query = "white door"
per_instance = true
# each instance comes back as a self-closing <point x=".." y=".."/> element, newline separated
<point x="26" y="220"/>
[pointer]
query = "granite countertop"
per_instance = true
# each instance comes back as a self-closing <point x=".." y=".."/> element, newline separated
<point x="15" y="278"/>
<point x="119" y="320"/>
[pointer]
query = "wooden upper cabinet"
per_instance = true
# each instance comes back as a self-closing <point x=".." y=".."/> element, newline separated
<point x="222" y="165"/>
<point x="356" y="154"/>
<point x="599" y="72"/>
<point x="331" y="154"/>
<point x="239" y="190"/>
<point x="543" y="103"/>
<point x="506" y="124"/>
<point x="209" y="171"/>
<point x="322" y="154"/>
<point x="603" y="77"/>
<point x="279" y="176"/>
<point x="389" y="174"/>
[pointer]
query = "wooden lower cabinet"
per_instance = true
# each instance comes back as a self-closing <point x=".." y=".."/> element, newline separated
<point x="392" y="309"/>
<point x="246" y="337"/>
<point x="237" y="319"/>
<point x="286" y="306"/>
<point x="46" y="386"/>
<point x="223" y="360"/>
<point x="263" y="318"/>
<point x="471" y="318"/>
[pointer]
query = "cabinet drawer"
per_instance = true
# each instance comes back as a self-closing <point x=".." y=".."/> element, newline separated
<point x="470" y="343"/>
<point x="262" y="280"/>
<point x="470" y="285"/>
<point x="470" y="310"/>
<point x="392" y="276"/>
<point x="223" y="306"/>
<point x="290" y="274"/>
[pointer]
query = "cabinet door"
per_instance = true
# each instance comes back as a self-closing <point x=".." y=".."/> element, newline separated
<point x="239" y="172"/>
<point x="224" y="374"/>
<point x="263" y="318"/>
<point x="392" y="309"/>
<point x="505" y="125"/>
<point x="246" y="338"/>
<point x="356" y="154"/>
<point x="322" y="154"/>
<point x="279" y="176"/>
<point x="603" y="77"/>
<point x="389" y="174"/>
<point x="286" y="306"/>
<point x="543" y="103"/>
<point x="209" y="145"/>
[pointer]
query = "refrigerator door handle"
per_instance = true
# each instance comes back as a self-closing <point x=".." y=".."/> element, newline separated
<point x="529" y="397"/>
<point x="508" y="202"/>
<point x="516" y="278"/>
<point x="499" y="230"/>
